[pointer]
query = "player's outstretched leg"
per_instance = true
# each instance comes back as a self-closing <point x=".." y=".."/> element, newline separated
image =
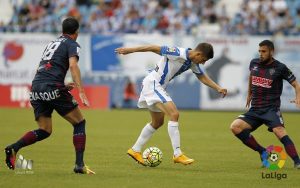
<point x="178" y="156"/>
<point x="135" y="151"/>
<point x="291" y="150"/>
<point x="241" y="130"/>
<point x="79" y="140"/>
<point x="29" y="138"/>
<point x="250" y="141"/>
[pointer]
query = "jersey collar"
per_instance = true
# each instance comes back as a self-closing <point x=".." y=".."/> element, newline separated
<point x="67" y="36"/>
<point x="269" y="64"/>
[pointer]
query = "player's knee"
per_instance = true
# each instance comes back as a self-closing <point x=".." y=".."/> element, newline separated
<point x="157" y="124"/>
<point x="279" y="132"/>
<point x="174" y="116"/>
<point x="235" y="127"/>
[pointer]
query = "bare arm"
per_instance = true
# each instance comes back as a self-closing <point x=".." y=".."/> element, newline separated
<point x="147" y="48"/>
<point x="76" y="76"/>
<point x="296" y="86"/>
<point x="210" y="83"/>
<point x="249" y="96"/>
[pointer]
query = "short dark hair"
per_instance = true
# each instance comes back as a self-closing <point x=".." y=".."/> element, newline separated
<point x="206" y="49"/>
<point x="267" y="43"/>
<point x="70" y="26"/>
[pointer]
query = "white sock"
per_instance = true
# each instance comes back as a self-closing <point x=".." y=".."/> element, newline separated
<point x="175" y="137"/>
<point x="145" y="135"/>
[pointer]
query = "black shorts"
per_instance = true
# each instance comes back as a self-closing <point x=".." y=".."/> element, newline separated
<point x="46" y="98"/>
<point x="271" y="117"/>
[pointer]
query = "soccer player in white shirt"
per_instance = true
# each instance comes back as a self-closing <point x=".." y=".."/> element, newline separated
<point x="153" y="96"/>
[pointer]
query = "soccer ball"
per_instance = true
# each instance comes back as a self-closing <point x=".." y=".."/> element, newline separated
<point x="273" y="157"/>
<point x="152" y="156"/>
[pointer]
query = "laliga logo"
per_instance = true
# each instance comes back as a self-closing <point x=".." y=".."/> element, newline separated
<point x="12" y="51"/>
<point x="274" y="158"/>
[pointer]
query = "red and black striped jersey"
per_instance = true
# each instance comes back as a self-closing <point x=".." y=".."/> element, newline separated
<point x="267" y="82"/>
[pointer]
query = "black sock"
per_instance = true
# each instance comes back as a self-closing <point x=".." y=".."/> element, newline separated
<point x="79" y="139"/>
<point x="250" y="141"/>
<point x="30" y="138"/>
<point x="290" y="148"/>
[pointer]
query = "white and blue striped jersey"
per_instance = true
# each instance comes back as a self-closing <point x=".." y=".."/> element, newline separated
<point x="174" y="61"/>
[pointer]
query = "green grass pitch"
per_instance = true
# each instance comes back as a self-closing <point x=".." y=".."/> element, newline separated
<point x="221" y="160"/>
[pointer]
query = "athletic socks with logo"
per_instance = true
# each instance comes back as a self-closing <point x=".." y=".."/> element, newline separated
<point x="290" y="148"/>
<point x="250" y="141"/>
<point x="30" y="138"/>
<point x="79" y="139"/>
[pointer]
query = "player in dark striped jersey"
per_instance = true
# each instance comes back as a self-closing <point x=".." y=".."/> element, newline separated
<point x="265" y="88"/>
<point x="49" y="93"/>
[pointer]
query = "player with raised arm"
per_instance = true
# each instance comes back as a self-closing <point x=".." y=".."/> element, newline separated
<point x="49" y="93"/>
<point x="153" y="96"/>
<point x="264" y="91"/>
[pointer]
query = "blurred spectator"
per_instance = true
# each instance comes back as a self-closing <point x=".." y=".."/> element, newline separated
<point x="262" y="25"/>
<point x="189" y="20"/>
<point x="297" y="22"/>
<point x="2" y="27"/>
<point x="132" y="21"/>
<point x="209" y="13"/>
<point x="130" y="96"/>
<point x="149" y="23"/>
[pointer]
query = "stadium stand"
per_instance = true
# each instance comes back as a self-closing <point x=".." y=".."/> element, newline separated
<point x="233" y="17"/>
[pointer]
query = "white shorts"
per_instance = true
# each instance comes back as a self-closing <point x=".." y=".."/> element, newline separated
<point x="152" y="93"/>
